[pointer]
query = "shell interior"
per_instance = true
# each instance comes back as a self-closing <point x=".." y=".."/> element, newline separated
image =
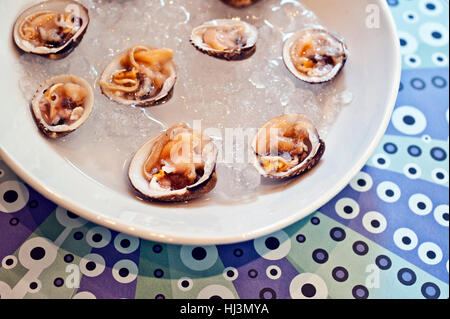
<point x="58" y="6"/>
<point x="197" y="35"/>
<point x="153" y="190"/>
<point x="334" y="43"/>
<point x="62" y="129"/>
<point x="115" y="65"/>
<point x="317" y="146"/>
<point x="239" y="3"/>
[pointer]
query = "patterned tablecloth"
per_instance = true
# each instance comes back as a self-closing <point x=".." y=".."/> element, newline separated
<point x="386" y="235"/>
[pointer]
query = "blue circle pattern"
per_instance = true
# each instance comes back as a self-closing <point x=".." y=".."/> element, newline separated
<point x="392" y="3"/>
<point x="427" y="226"/>
<point x="425" y="90"/>
<point x="412" y="16"/>
<point x="383" y="262"/>
<point x="390" y="148"/>
<point x="407" y="277"/>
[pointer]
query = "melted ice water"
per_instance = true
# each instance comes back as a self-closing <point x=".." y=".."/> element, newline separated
<point x="222" y="94"/>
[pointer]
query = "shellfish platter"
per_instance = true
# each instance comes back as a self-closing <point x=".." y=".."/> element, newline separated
<point x="194" y="122"/>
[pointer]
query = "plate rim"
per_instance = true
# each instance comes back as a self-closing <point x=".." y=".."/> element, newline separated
<point x="147" y="234"/>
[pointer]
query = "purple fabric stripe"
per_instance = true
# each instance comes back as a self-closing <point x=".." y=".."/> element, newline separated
<point x="16" y="227"/>
<point x="105" y="286"/>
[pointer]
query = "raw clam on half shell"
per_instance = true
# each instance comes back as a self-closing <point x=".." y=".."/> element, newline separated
<point x="141" y="76"/>
<point x="52" y="28"/>
<point x="314" y="55"/>
<point x="176" y="165"/>
<point x="62" y="104"/>
<point x="225" y="38"/>
<point x="287" y="146"/>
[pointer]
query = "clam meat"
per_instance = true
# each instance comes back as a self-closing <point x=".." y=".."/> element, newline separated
<point x="62" y="104"/>
<point x="225" y="38"/>
<point x="314" y="55"/>
<point x="140" y="76"/>
<point x="286" y="146"/>
<point x="52" y="28"/>
<point x="240" y="3"/>
<point x="176" y="165"/>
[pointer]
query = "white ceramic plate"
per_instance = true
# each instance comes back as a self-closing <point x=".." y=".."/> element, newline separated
<point x="372" y="74"/>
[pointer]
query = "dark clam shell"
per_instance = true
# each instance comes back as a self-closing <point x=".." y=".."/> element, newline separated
<point x="334" y="39"/>
<point x="59" y="131"/>
<point x="59" y="6"/>
<point x="239" y="3"/>
<point x="141" y="185"/>
<point x="239" y="53"/>
<point x="317" y="147"/>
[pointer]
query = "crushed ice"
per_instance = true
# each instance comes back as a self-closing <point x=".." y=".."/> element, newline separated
<point x="222" y="94"/>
